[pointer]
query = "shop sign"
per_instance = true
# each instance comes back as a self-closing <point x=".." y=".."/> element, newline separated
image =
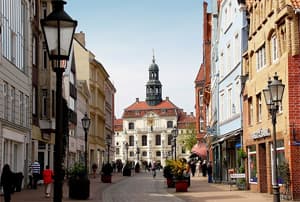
<point x="261" y="133"/>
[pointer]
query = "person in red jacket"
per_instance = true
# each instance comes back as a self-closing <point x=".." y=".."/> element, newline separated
<point x="47" y="177"/>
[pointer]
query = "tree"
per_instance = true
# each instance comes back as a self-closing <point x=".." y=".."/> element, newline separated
<point x="188" y="138"/>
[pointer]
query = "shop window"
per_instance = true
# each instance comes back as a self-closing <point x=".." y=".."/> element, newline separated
<point x="280" y="159"/>
<point x="252" y="164"/>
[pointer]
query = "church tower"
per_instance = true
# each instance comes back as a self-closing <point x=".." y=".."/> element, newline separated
<point x="153" y="87"/>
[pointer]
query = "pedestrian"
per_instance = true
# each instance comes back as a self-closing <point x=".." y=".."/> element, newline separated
<point x="7" y="182"/>
<point x="48" y="179"/>
<point x="154" y="169"/>
<point x="94" y="168"/>
<point x="199" y="168"/>
<point x="35" y="169"/>
<point x="204" y="168"/>
<point x="193" y="167"/>
<point x="209" y="172"/>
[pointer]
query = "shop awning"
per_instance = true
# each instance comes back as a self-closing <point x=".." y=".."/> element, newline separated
<point x="200" y="149"/>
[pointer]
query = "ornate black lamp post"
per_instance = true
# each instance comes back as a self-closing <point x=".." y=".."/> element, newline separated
<point x="174" y="134"/>
<point x="58" y="29"/>
<point x="108" y="142"/>
<point x="273" y="97"/>
<point x="86" y="121"/>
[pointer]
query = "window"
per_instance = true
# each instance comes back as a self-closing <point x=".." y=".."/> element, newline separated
<point x="274" y="48"/>
<point x="26" y="111"/>
<point x="170" y="139"/>
<point x="237" y="50"/>
<point x="131" y="153"/>
<point x="44" y="102"/>
<point x="13" y="32"/>
<point x="280" y="159"/>
<point x="250" y="111"/>
<point x="34" y="51"/>
<point x="34" y="97"/>
<point x="158" y="153"/>
<point x="230" y="106"/>
<point x="252" y="166"/>
<point x="131" y="140"/>
<point x="13" y="103"/>
<point x="222" y="110"/>
<point x="117" y="151"/>
<point x="258" y="107"/>
<point x="5" y="94"/>
<point x="170" y="124"/>
<point x="131" y="126"/>
<point x="45" y="56"/>
<point x="21" y="107"/>
<point x="157" y="140"/>
<point x="261" y="58"/>
<point x="144" y="153"/>
<point x="144" y="140"/>
<point x="201" y="98"/>
<point x="201" y="121"/>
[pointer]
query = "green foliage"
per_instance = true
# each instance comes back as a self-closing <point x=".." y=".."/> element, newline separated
<point x="242" y="154"/>
<point x="77" y="170"/>
<point x="178" y="167"/>
<point x="168" y="170"/>
<point x="188" y="138"/>
<point x="284" y="172"/>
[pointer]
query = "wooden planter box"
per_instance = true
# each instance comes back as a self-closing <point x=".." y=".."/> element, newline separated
<point x="181" y="185"/>
<point x="106" y="178"/>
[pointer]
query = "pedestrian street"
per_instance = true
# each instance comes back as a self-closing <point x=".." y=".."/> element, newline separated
<point x="138" y="188"/>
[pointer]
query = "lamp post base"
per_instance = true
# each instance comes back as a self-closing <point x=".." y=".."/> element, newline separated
<point x="276" y="193"/>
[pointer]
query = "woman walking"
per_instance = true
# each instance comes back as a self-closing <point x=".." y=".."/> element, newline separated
<point x="47" y="177"/>
<point x="6" y="182"/>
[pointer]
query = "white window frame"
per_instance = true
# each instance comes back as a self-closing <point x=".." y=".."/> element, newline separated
<point x="274" y="49"/>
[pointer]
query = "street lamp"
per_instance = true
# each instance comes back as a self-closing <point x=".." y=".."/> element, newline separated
<point x="86" y="121"/>
<point x="174" y="134"/>
<point x="137" y="153"/>
<point x="108" y="142"/>
<point x="58" y="29"/>
<point x="273" y="97"/>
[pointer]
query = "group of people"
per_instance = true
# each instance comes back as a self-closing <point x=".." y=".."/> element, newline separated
<point x="7" y="182"/>
<point x="204" y="167"/>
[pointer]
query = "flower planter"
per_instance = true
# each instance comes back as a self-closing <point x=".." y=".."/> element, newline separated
<point x="181" y="185"/>
<point x="170" y="183"/>
<point x="106" y="178"/>
<point x="79" y="188"/>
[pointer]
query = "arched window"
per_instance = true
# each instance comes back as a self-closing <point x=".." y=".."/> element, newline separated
<point x="157" y="140"/>
<point x="131" y="126"/>
<point x="144" y="140"/>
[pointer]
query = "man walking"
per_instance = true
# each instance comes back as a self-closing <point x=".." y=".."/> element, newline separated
<point x="35" y="169"/>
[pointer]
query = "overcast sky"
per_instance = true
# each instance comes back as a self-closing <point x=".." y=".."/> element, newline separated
<point x="123" y="33"/>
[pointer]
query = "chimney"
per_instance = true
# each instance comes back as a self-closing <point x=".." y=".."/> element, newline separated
<point x="167" y="98"/>
<point x="137" y="99"/>
<point x="80" y="37"/>
<point x="192" y="113"/>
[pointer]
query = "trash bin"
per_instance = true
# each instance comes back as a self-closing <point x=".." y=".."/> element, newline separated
<point x="19" y="178"/>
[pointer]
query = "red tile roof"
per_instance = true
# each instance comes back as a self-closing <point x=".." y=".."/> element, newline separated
<point x="140" y="108"/>
<point x="296" y="3"/>
<point x="185" y="120"/>
<point x="118" y="124"/>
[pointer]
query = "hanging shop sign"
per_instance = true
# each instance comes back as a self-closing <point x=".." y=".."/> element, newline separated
<point x="261" y="133"/>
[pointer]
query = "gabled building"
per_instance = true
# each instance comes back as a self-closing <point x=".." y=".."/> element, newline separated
<point x="273" y="47"/>
<point x="146" y="126"/>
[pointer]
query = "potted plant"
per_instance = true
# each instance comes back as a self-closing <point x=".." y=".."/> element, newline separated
<point x="79" y="184"/>
<point x="181" y="177"/>
<point x="127" y="169"/>
<point x="284" y="178"/>
<point x="106" y="172"/>
<point x="167" y="172"/>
